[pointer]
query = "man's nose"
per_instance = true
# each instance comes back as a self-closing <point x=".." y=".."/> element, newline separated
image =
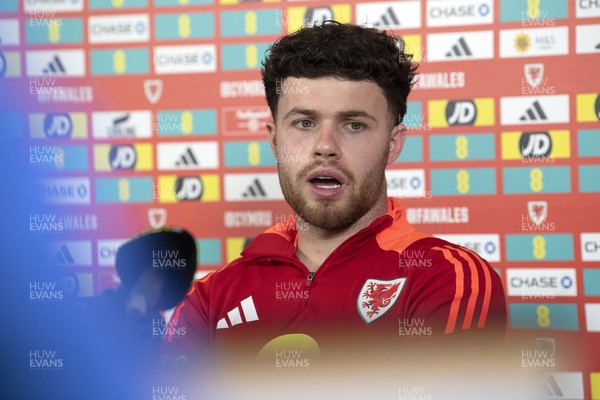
<point x="327" y="143"/>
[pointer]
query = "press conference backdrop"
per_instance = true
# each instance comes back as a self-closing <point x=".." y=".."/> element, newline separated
<point x="145" y="113"/>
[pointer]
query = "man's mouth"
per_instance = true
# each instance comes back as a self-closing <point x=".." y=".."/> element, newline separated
<point x="325" y="182"/>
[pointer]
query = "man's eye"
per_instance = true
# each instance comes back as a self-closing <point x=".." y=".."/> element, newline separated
<point x="356" y="126"/>
<point x="303" y="124"/>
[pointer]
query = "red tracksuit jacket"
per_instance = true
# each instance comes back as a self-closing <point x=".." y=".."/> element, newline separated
<point x="387" y="282"/>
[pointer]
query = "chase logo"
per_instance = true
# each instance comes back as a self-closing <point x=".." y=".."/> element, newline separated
<point x="396" y="15"/>
<point x="139" y="157"/>
<point x="477" y="112"/>
<point x="54" y="31"/>
<point x="549" y="283"/>
<point x="71" y="191"/>
<point x="184" y="26"/>
<point x="590" y="247"/>
<point x="118" y="29"/>
<point x="173" y="189"/>
<point x="9" y="32"/>
<point x="250" y="23"/>
<point x="58" y="125"/>
<point x="120" y="61"/>
<point x="587" y="9"/>
<point x="185" y="59"/>
<point x="405" y="183"/>
<point x="459" y="12"/>
<point x="299" y="17"/>
<point x="124" y="190"/>
<point x="486" y="245"/>
<point x="107" y="251"/>
<point x="588" y="107"/>
<point x="541" y="145"/>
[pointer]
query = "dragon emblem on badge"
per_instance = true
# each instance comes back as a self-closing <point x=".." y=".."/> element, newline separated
<point x="377" y="297"/>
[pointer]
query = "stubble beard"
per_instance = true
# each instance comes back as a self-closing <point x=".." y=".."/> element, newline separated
<point x="333" y="214"/>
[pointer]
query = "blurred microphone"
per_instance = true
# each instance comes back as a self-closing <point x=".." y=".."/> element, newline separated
<point x="157" y="268"/>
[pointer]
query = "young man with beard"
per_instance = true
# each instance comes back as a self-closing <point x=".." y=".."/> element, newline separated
<point x="353" y="272"/>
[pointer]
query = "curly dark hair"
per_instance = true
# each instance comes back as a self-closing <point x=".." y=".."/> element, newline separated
<point x="343" y="51"/>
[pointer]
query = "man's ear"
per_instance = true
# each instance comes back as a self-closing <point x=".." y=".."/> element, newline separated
<point x="397" y="137"/>
<point x="271" y="130"/>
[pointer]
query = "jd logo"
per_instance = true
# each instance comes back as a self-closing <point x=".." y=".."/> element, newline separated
<point x="122" y="157"/>
<point x="461" y="112"/>
<point x="58" y="125"/>
<point x="188" y="188"/>
<point x="317" y="15"/>
<point x="535" y="144"/>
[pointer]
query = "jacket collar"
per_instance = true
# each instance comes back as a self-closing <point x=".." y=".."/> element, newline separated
<point x="281" y="239"/>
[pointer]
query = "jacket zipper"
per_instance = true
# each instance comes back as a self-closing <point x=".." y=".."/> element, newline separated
<point x="309" y="281"/>
<point x="311" y="275"/>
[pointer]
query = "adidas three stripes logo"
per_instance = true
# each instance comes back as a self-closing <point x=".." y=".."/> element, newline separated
<point x="245" y="312"/>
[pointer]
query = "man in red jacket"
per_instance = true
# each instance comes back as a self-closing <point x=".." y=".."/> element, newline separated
<point x="348" y="270"/>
